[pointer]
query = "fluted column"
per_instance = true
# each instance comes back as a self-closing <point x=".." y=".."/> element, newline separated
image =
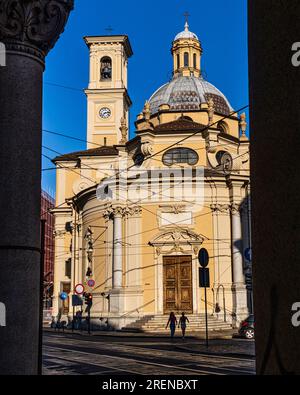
<point x="118" y="248"/>
<point x="28" y="29"/>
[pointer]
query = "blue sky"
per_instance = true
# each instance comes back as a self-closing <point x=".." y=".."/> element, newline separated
<point x="151" y="26"/>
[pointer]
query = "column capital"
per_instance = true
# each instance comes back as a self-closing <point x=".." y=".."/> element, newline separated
<point x="32" y="27"/>
<point x="115" y="211"/>
<point x="220" y="208"/>
<point x="132" y="210"/>
<point x="118" y="211"/>
<point x="235" y="208"/>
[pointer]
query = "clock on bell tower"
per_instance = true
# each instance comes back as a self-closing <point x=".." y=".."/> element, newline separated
<point x="108" y="102"/>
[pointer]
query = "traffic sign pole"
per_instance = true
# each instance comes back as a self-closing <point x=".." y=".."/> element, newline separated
<point x="206" y="323"/>
<point x="204" y="282"/>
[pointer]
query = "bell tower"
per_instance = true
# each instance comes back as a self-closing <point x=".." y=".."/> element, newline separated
<point x="108" y="102"/>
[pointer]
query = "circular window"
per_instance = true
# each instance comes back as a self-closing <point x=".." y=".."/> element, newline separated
<point x="225" y="161"/>
<point x="180" y="155"/>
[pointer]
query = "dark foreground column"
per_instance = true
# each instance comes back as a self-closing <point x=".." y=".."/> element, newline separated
<point x="29" y="29"/>
<point x="275" y="154"/>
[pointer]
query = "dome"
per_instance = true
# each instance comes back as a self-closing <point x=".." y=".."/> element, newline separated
<point x="188" y="93"/>
<point x="186" y="34"/>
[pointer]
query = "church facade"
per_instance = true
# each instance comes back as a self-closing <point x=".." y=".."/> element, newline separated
<point x="132" y="214"/>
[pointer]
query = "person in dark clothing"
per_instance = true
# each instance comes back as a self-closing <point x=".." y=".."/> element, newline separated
<point x="172" y="322"/>
<point x="182" y="323"/>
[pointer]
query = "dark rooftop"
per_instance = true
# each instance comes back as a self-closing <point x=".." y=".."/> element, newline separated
<point x="99" y="151"/>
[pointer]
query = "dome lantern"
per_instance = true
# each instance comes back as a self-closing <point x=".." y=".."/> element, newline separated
<point x="186" y="51"/>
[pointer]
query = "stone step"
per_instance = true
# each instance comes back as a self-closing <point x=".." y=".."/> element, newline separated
<point x="156" y="324"/>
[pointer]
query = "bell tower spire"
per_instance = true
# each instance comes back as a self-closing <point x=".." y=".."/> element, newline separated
<point x="186" y="52"/>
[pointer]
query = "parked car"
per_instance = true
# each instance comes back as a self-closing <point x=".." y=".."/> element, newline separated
<point x="246" y="328"/>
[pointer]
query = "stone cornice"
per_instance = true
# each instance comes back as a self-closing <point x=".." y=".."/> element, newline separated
<point x="32" y="27"/>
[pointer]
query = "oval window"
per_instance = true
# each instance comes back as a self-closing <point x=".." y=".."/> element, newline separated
<point x="180" y="155"/>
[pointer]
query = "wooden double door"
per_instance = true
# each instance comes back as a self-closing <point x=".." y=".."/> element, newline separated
<point x="178" y="289"/>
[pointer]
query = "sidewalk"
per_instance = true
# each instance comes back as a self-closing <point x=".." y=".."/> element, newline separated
<point x="213" y="335"/>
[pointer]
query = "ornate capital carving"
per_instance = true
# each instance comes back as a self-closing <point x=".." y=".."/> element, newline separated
<point x="235" y="208"/>
<point x="220" y="208"/>
<point x="130" y="211"/>
<point x="115" y="211"/>
<point x="32" y="27"/>
<point x="118" y="211"/>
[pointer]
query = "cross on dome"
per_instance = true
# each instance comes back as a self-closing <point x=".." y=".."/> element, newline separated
<point x="186" y="33"/>
<point x="186" y="26"/>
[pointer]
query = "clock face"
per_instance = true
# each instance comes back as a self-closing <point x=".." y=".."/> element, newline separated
<point x="105" y="112"/>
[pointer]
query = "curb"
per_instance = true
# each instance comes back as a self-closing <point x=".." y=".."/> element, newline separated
<point x="120" y="334"/>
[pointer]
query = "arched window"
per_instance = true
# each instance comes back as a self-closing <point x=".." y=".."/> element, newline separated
<point x="180" y="155"/>
<point x="178" y="61"/>
<point x="195" y="60"/>
<point x="223" y="127"/>
<point x="105" y="69"/>
<point x="186" y="59"/>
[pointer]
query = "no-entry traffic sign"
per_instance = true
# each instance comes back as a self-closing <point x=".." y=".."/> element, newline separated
<point x="79" y="289"/>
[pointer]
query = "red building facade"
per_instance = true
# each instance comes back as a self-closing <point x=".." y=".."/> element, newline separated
<point x="47" y="203"/>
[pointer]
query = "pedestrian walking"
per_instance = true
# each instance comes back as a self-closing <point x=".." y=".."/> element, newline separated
<point x="182" y="323"/>
<point x="78" y="319"/>
<point x="172" y="322"/>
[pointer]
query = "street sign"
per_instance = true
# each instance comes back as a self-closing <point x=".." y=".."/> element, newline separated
<point x="204" y="278"/>
<point x="79" y="289"/>
<point x="248" y="254"/>
<point x="203" y="257"/>
<point x="63" y="295"/>
<point x="77" y="300"/>
<point x="91" y="283"/>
